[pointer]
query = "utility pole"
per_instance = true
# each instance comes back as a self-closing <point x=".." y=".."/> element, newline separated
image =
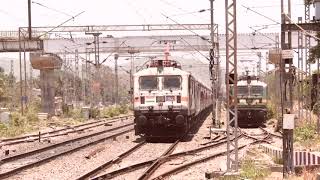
<point x="29" y="20"/>
<point x="214" y="69"/>
<point x="116" y="94"/>
<point x="97" y="64"/>
<point x="76" y="76"/>
<point x="132" y="51"/>
<point x="300" y="75"/>
<point x="231" y="86"/>
<point x="308" y="65"/>
<point x="286" y="79"/>
<point x="259" y="54"/>
<point x="20" y="68"/>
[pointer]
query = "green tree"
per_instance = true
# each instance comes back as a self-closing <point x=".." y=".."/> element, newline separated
<point x="315" y="51"/>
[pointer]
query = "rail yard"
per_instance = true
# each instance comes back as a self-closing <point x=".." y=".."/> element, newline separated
<point x="160" y="89"/>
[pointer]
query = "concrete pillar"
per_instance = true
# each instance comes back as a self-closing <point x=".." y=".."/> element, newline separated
<point x="47" y="91"/>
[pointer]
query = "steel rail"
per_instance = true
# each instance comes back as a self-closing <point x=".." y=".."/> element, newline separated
<point x="147" y="163"/>
<point x="63" y="129"/>
<point x="111" y="162"/>
<point x="179" y="168"/>
<point x="272" y="134"/>
<point x="46" y="159"/>
<point x="154" y="166"/>
<point x="32" y="152"/>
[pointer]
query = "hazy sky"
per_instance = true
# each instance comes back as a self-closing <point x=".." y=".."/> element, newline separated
<point x="13" y="13"/>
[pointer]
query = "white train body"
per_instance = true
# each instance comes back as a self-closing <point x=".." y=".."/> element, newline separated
<point x="166" y="97"/>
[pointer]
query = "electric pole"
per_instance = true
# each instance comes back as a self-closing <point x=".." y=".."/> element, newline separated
<point x="214" y="69"/>
<point x="231" y="86"/>
<point x="286" y="78"/>
<point x="116" y="94"/>
<point x="29" y="20"/>
<point x="97" y="78"/>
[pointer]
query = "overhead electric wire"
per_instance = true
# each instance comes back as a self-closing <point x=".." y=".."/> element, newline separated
<point x="194" y="48"/>
<point x="303" y="30"/>
<point x="10" y="15"/>
<point x="271" y="6"/>
<point x="203" y="38"/>
<point x="72" y="18"/>
<point x="103" y="61"/>
<point x="193" y="12"/>
<point x="261" y="14"/>
<point x="137" y="12"/>
<point x="179" y="8"/>
<point x="55" y="10"/>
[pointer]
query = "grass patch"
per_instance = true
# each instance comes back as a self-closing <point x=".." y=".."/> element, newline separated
<point x="277" y="160"/>
<point x="249" y="170"/>
<point x="305" y="134"/>
<point x="271" y="110"/>
<point x="113" y="111"/>
<point x="19" y="124"/>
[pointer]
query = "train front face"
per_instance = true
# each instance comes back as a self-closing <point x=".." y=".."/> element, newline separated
<point x="252" y="111"/>
<point x="161" y="103"/>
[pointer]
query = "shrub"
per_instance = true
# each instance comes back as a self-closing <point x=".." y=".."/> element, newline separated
<point x="305" y="132"/>
<point x="16" y="119"/>
<point x="32" y="115"/>
<point x="271" y="111"/>
<point x="123" y="109"/>
<point x="94" y="113"/>
<point x="250" y="171"/>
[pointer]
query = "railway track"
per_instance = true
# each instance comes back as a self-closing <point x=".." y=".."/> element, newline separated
<point x="153" y="167"/>
<point x="271" y="134"/>
<point x="158" y="161"/>
<point x="18" y="162"/>
<point x="61" y="132"/>
<point x="111" y="162"/>
<point x="150" y="162"/>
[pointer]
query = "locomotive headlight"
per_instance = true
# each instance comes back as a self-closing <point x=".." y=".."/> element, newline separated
<point x="150" y="108"/>
<point x="142" y="120"/>
<point x="180" y="120"/>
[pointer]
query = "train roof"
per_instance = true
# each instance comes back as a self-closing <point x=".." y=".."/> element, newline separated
<point x="253" y="82"/>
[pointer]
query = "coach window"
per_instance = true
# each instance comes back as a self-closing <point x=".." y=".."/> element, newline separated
<point x="148" y="83"/>
<point x="172" y="82"/>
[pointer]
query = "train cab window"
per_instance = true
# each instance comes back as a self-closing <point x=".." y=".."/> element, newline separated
<point x="171" y="82"/>
<point x="257" y="90"/>
<point x="148" y="82"/>
<point x="243" y="90"/>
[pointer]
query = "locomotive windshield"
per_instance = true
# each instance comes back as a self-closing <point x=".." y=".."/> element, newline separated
<point x="171" y="82"/>
<point x="243" y="90"/>
<point x="148" y="82"/>
<point x="257" y="90"/>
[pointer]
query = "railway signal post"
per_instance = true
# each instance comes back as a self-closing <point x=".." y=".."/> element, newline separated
<point x="286" y="88"/>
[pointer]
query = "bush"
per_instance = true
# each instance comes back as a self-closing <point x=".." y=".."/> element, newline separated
<point x="123" y="109"/>
<point x="271" y="111"/>
<point x="94" y="113"/>
<point x="305" y="132"/>
<point x="110" y="112"/>
<point x="250" y="171"/>
<point x="17" y="119"/>
<point x="32" y="115"/>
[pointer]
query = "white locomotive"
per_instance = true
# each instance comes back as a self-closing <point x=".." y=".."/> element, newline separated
<point x="168" y="100"/>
